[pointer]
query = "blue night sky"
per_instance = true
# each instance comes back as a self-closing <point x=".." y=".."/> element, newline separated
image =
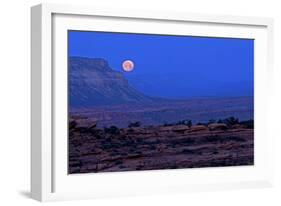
<point x="174" y="66"/>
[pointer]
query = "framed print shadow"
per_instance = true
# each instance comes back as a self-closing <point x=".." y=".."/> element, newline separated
<point x="136" y="102"/>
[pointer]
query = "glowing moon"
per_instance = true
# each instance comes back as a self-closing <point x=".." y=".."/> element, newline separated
<point x="128" y="65"/>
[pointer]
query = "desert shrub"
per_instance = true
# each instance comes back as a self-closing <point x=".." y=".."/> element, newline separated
<point x="219" y="121"/>
<point x="106" y="130"/>
<point x="211" y="121"/>
<point x="130" y="130"/>
<point x="112" y="130"/>
<point x="167" y="124"/>
<point x="180" y="122"/>
<point x="134" y="124"/>
<point x="118" y="162"/>
<point x="201" y="123"/>
<point x="214" y="138"/>
<point x="187" y="122"/>
<point x="97" y="133"/>
<point x="231" y="121"/>
<point x="188" y="141"/>
<point x="72" y="124"/>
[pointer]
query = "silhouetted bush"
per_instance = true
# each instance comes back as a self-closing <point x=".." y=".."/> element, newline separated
<point x="134" y="124"/>
<point x="166" y="124"/>
<point x="211" y="121"/>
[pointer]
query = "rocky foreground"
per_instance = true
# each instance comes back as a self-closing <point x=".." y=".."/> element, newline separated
<point x="159" y="147"/>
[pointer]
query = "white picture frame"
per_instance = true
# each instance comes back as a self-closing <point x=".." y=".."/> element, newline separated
<point x="49" y="179"/>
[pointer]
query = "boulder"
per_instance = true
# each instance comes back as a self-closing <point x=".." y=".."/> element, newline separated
<point x="146" y="131"/>
<point x="196" y="128"/>
<point x="165" y="129"/>
<point x="138" y="130"/>
<point x="180" y="128"/>
<point x="217" y="126"/>
<point x="238" y="126"/>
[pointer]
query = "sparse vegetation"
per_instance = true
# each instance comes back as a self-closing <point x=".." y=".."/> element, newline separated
<point x="114" y="130"/>
<point x="111" y="147"/>
<point x="228" y="121"/>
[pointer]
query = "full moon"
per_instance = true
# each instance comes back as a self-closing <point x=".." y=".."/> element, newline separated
<point x="128" y="65"/>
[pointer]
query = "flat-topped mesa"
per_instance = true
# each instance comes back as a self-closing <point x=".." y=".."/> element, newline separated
<point x="93" y="82"/>
<point x="88" y="63"/>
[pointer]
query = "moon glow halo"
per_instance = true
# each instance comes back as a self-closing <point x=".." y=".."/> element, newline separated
<point x="128" y="65"/>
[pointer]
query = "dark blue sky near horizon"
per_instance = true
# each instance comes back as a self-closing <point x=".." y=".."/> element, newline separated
<point x="174" y="67"/>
